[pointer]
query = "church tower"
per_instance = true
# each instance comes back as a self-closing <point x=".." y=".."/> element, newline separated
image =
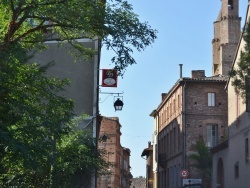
<point x="226" y="36"/>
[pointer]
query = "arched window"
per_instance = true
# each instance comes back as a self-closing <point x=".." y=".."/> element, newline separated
<point x="230" y="4"/>
<point x="220" y="174"/>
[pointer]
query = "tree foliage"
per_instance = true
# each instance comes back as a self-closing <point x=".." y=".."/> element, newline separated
<point x="38" y="145"/>
<point x="78" y="156"/>
<point x="239" y="73"/>
<point x="30" y="22"/>
<point x="31" y="112"/>
<point x="203" y="158"/>
<point x="35" y="119"/>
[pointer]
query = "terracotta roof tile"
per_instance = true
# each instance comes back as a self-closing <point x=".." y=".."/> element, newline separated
<point x="212" y="78"/>
<point x="138" y="183"/>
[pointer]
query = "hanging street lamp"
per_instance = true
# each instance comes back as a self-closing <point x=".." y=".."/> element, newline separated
<point x="118" y="105"/>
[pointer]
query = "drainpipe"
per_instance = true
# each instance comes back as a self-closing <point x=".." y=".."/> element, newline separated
<point x="184" y="125"/>
<point x="97" y="59"/>
<point x="157" y="115"/>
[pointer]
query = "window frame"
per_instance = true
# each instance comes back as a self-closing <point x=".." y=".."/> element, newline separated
<point x="212" y="136"/>
<point x="211" y="98"/>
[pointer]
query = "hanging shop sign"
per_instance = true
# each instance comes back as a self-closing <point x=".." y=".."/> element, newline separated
<point x="109" y="78"/>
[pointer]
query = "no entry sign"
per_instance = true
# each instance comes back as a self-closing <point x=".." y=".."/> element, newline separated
<point x="184" y="173"/>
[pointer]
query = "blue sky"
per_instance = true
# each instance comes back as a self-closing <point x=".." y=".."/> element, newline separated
<point x="185" y="32"/>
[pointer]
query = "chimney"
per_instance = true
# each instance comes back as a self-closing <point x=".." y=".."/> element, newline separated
<point x="163" y="95"/>
<point x="198" y="73"/>
<point x="180" y="70"/>
<point x="149" y="144"/>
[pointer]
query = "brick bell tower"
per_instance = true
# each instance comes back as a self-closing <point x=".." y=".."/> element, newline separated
<point x="226" y="36"/>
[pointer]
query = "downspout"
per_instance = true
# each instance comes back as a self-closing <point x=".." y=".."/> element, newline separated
<point x="184" y="125"/>
<point x="97" y="59"/>
<point x="157" y="115"/>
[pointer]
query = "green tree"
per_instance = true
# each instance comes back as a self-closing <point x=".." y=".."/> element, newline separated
<point x="29" y="23"/>
<point x="242" y="70"/>
<point x="203" y="159"/>
<point x="33" y="116"/>
<point x="78" y="157"/>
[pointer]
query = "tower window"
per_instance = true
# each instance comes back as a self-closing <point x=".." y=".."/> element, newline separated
<point x="230" y="4"/>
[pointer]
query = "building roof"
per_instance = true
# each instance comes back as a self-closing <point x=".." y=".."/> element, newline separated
<point x="220" y="147"/>
<point x="216" y="78"/>
<point x="111" y="119"/>
<point x="138" y="182"/>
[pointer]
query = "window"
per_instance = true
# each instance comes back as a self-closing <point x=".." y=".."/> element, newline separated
<point x="179" y="101"/>
<point x="174" y="105"/>
<point x="156" y="152"/>
<point x="164" y="114"/>
<point x="236" y="170"/>
<point x="212" y="135"/>
<point x="230" y="4"/>
<point x="162" y="120"/>
<point x="174" y="139"/>
<point x="246" y="150"/>
<point x="167" y="113"/>
<point x="211" y="99"/>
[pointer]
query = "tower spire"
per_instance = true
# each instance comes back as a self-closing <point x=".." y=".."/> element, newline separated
<point x="226" y="36"/>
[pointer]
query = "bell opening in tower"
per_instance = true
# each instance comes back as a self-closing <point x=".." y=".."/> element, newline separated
<point x="230" y="4"/>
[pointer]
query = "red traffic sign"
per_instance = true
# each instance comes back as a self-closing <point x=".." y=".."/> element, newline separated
<point x="184" y="173"/>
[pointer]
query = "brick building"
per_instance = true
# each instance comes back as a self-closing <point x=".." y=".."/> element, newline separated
<point x="147" y="154"/>
<point x="226" y="36"/>
<point x="231" y="159"/>
<point x="139" y="182"/>
<point x="118" y="175"/>
<point x="195" y="108"/>
<point x="126" y="175"/>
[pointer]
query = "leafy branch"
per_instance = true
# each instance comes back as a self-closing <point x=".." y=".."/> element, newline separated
<point x="242" y="68"/>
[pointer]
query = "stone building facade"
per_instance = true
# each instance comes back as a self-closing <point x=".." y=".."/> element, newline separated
<point x="84" y="78"/>
<point x="118" y="174"/>
<point x="83" y="75"/>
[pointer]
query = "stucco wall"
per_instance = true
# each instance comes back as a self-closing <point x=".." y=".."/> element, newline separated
<point x="80" y="73"/>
